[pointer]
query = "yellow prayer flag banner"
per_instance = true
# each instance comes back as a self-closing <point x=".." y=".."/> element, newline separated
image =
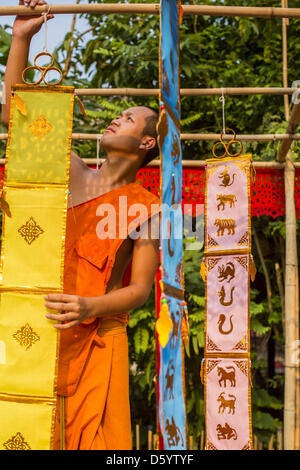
<point x="34" y="237"/>
<point x="25" y="426"/>
<point x="35" y="186"/>
<point x="30" y="346"/>
<point x="37" y="144"/>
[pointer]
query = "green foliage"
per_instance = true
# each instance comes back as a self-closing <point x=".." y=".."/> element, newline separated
<point x="122" y="51"/>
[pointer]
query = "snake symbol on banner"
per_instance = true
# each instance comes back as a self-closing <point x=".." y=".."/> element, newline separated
<point x="44" y="70"/>
<point x="227" y="146"/>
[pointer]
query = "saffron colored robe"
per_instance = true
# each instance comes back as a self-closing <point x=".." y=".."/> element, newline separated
<point x="93" y="369"/>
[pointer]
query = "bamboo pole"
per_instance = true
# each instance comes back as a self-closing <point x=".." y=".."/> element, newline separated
<point x="291" y="129"/>
<point x="191" y="163"/>
<point x="137" y="436"/>
<point x="291" y="309"/>
<point x="154" y="8"/>
<point x="208" y="137"/>
<point x="186" y="91"/>
<point x="285" y="60"/>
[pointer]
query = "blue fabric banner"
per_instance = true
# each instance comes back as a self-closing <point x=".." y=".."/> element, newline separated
<point x="171" y="407"/>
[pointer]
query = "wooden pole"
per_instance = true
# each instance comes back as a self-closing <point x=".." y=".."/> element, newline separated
<point x="191" y="163"/>
<point x="291" y="309"/>
<point x="208" y="137"/>
<point x="284" y="4"/>
<point x="186" y="91"/>
<point x="291" y="129"/>
<point x="137" y="436"/>
<point x="140" y="8"/>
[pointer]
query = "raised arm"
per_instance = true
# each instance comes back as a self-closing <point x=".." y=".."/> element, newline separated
<point x="24" y="29"/>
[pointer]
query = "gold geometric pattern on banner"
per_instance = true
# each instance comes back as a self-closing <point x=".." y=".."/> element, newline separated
<point x="30" y="231"/>
<point x="26" y="337"/>
<point x="211" y="242"/>
<point x="212" y="262"/>
<point x="16" y="442"/>
<point x="243" y="260"/>
<point x="40" y="127"/>
<point x="242" y="165"/>
<point x="210" y="170"/>
<point x="241" y="345"/>
<point x="244" y="241"/>
<point x="242" y="365"/>
<point x="211" y="346"/>
<point x="210" y="446"/>
<point x="211" y="364"/>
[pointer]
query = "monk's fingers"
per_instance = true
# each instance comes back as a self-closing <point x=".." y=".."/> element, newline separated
<point x="67" y="316"/>
<point x="66" y="326"/>
<point x="63" y="307"/>
<point x="60" y="298"/>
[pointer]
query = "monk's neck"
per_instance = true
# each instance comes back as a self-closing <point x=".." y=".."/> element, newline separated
<point x="118" y="171"/>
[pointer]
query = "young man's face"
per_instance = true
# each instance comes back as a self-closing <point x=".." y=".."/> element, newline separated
<point x="125" y="132"/>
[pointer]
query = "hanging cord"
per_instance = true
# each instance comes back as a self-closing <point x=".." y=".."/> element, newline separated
<point x="222" y="99"/>
<point x="98" y="152"/>
<point x="45" y="49"/>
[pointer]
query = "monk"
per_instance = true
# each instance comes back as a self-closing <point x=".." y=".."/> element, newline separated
<point x="103" y="235"/>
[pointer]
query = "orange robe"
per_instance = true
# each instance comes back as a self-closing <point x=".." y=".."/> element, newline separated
<point x="93" y="366"/>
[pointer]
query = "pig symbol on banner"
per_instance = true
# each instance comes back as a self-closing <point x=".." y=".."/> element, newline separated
<point x="226" y="403"/>
<point x="226" y="180"/>
<point x="226" y="375"/>
<point x="225" y="224"/>
<point x="174" y="434"/>
<point x="226" y="432"/>
<point x="169" y="381"/>
<point x="222" y="295"/>
<point x="226" y="198"/>
<point x="226" y="272"/>
<point x="221" y="321"/>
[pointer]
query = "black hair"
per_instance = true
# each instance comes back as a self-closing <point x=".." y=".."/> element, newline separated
<point x="151" y="130"/>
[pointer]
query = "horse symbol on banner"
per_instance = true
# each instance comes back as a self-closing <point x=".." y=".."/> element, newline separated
<point x="225" y="272"/>
<point x="226" y="375"/>
<point x="226" y="403"/>
<point x="222" y="295"/>
<point x="173" y="432"/>
<point x="169" y="381"/>
<point x="226" y="432"/>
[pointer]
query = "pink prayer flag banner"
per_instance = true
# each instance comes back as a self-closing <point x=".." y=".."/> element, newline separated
<point x="227" y="305"/>
<point x="228" y="404"/>
<point x="226" y="268"/>
<point x="227" y="202"/>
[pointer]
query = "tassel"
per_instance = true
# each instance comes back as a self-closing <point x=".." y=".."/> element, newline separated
<point x="164" y="324"/>
<point x="202" y="371"/>
<point x="203" y="270"/>
<point x="4" y="206"/>
<point x="21" y="106"/>
<point x="185" y="325"/>
<point x="252" y="269"/>
<point x="81" y="106"/>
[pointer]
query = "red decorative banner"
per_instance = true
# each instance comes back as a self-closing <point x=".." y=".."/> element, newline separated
<point x="267" y="193"/>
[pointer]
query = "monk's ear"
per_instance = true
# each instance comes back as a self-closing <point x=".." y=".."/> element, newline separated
<point x="147" y="143"/>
